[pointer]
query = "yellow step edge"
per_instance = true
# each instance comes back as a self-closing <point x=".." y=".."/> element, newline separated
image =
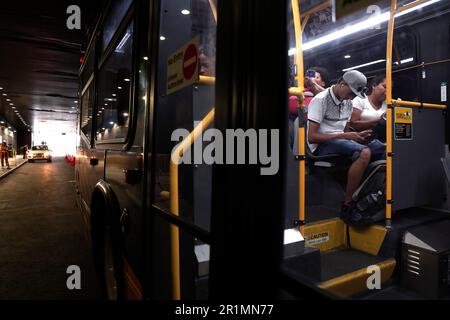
<point x="355" y="282"/>
<point x="325" y="235"/>
<point x="368" y="239"/>
<point x="331" y="234"/>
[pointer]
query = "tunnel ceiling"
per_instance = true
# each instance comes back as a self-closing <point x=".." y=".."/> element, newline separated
<point x="40" y="58"/>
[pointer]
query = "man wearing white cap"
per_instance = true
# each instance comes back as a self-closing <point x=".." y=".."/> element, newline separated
<point x="328" y="116"/>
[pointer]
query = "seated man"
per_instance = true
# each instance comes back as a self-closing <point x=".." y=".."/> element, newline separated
<point x="328" y="117"/>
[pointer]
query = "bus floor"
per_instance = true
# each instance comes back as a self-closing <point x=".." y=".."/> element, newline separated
<point x="41" y="235"/>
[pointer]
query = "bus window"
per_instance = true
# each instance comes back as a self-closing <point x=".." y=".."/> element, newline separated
<point x="114" y="90"/>
<point x="87" y="107"/>
<point x="116" y="13"/>
<point x="88" y="69"/>
<point x="185" y="96"/>
<point x="180" y="108"/>
<point x="404" y="51"/>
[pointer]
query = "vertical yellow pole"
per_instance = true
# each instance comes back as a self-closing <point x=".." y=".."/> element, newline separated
<point x="213" y="9"/>
<point x="174" y="233"/>
<point x="298" y="44"/>
<point x="389" y="119"/>
<point x="301" y="131"/>
<point x="174" y="200"/>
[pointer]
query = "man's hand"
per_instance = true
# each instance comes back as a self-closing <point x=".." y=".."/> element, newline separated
<point x="358" y="136"/>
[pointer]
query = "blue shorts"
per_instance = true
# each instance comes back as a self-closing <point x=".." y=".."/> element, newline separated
<point x="352" y="149"/>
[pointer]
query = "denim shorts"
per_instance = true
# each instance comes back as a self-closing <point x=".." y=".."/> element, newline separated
<point x="352" y="149"/>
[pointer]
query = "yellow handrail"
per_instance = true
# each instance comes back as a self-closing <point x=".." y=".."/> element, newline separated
<point x="294" y="91"/>
<point x="301" y="130"/>
<point x="418" y="104"/>
<point x="174" y="201"/>
<point x="313" y="10"/>
<point x="207" y="80"/>
<point x="213" y="9"/>
<point x="298" y="44"/>
<point x="409" y="5"/>
<point x="390" y="38"/>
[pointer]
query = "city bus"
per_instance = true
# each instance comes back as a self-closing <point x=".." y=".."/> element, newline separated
<point x="166" y="83"/>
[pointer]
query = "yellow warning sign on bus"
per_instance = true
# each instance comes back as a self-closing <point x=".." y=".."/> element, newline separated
<point x="403" y="115"/>
<point x="403" y="123"/>
<point x="182" y="66"/>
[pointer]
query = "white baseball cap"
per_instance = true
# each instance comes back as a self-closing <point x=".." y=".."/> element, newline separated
<point x="357" y="82"/>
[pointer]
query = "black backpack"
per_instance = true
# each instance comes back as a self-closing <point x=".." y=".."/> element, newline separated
<point x="370" y="198"/>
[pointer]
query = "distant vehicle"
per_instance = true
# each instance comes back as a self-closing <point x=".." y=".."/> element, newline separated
<point x="39" y="153"/>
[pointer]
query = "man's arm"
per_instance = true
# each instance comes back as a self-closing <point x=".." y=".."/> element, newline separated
<point x="313" y="86"/>
<point x="314" y="136"/>
<point x="359" y="124"/>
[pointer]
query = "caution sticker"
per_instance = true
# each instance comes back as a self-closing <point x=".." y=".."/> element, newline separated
<point x="403" y="121"/>
<point x="317" y="238"/>
<point x="182" y="66"/>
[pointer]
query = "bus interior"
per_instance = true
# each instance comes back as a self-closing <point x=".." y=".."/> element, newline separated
<point x="409" y="249"/>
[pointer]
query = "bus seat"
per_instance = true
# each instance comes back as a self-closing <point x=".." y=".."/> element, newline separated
<point x="326" y="161"/>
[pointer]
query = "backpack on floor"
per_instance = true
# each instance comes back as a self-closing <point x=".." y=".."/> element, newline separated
<point x="370" y="198"/>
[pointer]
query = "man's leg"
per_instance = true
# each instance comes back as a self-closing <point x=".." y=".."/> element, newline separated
<point x="378" y="150"/>
<point x="356" y="173"/>
<point x="3" y="161"/>
<point x="360" y="154"/>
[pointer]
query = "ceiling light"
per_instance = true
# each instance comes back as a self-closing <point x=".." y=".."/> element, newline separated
<point x="111" y="123"/>
<point x="347" y="56"/>
<point x="162" y="38"/>
<point x="2" y="122"/>
<point x="75" y="102"/>
<point x="125" y="114"/>
<point x="127" y="80"/>
<point x="185" y="12"/>
<point x="1" y="88"/>
<point x="123" y="42"/>
<point x="407" y="60"/>
<point x="363" y="25"/>
<point x="120" y="88"/>
<point x="114" y="95"/>
<point x="13" y="107"/>
<point x="11" y="104"/>
<point x="364" y="65"/>
<point x="146" y="58"/>
<point x="420" y="6"/>
<point x="4" y="94"/>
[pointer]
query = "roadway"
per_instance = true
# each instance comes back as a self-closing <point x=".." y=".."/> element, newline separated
<point x="42" y="234"/>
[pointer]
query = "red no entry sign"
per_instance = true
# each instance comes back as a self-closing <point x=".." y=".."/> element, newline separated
<point x="190" y="61"/>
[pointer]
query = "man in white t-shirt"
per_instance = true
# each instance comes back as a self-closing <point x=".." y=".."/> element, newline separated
<point x="328" y="116"/>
